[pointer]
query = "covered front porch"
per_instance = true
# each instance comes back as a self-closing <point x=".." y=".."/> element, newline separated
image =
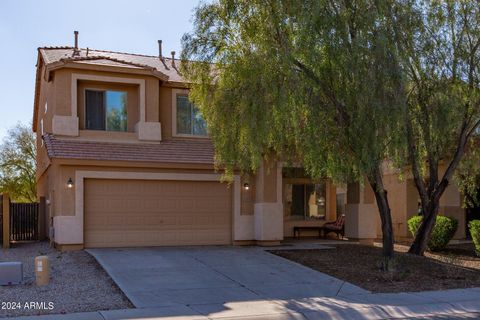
<point x="294" y="201"/>
<point x="286" y="200"/>
<point x="308" y="204"/>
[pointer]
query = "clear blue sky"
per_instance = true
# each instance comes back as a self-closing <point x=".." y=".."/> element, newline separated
<point x="118" y="25"/>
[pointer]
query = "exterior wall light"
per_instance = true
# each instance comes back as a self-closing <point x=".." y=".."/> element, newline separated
<point x="70" y="183"/>
<point x="246" y="186"/>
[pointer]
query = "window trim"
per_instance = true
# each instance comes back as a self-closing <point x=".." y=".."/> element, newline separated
<point x="105" y="102"/>
<point x="79" y="76"/>
<point x="42" y="131"/>
<point x="175" y="93"/>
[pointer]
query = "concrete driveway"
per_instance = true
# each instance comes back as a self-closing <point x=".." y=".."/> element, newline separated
<point x="153" y="277"/>
<point x="250" y="283"/>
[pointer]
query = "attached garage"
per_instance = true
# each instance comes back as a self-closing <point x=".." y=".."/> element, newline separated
<point x="126" y="213"/>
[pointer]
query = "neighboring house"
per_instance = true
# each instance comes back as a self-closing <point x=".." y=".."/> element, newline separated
<point x="363" y="220"/>
<point x="124" y="159"/>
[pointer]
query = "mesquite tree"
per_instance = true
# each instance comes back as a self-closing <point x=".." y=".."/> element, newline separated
<point x="18" y="164"/>
<point x="440" y="46"/>
<point x="316" y="82"/>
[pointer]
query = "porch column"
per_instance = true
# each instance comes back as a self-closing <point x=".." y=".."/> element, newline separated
<point x="268" y="207"/>
<point x="361" y="213"/>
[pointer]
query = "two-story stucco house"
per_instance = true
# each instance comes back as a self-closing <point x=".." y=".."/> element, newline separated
<point x="124" y="159"/>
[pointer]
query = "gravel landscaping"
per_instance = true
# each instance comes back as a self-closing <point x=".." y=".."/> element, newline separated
<point x="458" y="254"/>
<point x="78" y="283"/>
<point x="359" y="265"/>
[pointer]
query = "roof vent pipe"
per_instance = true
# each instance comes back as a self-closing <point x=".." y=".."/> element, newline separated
<point x="75" y="49"/>
<point x="160" y="49"/>
<point x="173" y="59"/>
<point x="76" y="39"/>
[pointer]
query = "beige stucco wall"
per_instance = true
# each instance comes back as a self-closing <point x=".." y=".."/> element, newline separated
<point x="412" y="199"/>
<point x="268" y="207"/>
<point x="397" y="198"/>
<point x="62" y="97"/>
<point x="266" y="183"/>
<point x="360" y="213"/>
<point x="165" y="98"/>
<point x="403" y="199"/>
<point x="44" y="119"/>
<point x="451" y="205"/>
<point x="45" y="189"/>
<point x="58" y="93"/>
<point x="248" y="196"/>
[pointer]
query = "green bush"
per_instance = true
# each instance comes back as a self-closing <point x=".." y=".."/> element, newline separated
<point x="474" y="227"/>
<point x="443" y="231"/>
<point x="413" y="224"/>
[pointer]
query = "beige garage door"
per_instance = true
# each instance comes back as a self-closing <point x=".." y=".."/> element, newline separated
<point x="123" y="213"/>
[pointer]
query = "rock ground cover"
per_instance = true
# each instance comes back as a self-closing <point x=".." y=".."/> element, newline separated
<point x="77" y="283"/>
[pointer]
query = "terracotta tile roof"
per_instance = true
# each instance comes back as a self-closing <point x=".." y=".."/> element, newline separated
<point x="53" y="55"/>
<point x="197" y="151"/>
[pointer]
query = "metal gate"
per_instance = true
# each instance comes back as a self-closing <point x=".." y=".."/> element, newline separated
<point x="24" y="221"/>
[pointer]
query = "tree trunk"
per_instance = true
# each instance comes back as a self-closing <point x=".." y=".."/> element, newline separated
<point x="376" y="182"/>
<point x="424" y="232"/>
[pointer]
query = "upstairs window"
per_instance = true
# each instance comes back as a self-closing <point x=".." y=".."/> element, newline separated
<point x="105" y="110"/>
<point x="189" y="118"/>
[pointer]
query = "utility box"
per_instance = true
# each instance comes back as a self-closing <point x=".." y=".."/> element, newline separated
<point x="11" y="273"/>
<point x="42" y="270"/>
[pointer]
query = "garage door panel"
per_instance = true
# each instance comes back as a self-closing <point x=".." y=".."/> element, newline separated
<point x="151" y="204"/>
<point x="217" y="205"/>
<point x="167" y="238"/>
<point x="154" y="213"/>
<point x="185" y="205"/>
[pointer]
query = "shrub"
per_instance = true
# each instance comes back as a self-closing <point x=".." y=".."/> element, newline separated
<point x="443" y="231"/>
<point x="413" y="224"/>
<point x="474" y="227"/>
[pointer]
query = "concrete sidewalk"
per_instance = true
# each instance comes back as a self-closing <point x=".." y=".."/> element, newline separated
<point x="448" y="304"/>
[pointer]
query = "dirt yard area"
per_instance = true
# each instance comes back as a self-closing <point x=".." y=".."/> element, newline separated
<point x="359" y="265"/>
<point x="78" y="283"/>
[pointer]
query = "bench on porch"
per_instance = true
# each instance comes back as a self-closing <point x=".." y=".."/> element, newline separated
<point x="337" y="226"/>
<point x="297" y="229"/>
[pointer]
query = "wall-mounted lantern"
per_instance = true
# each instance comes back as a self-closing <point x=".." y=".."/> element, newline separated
<point x="246" y="186"/>
<point x="70" y="183"/>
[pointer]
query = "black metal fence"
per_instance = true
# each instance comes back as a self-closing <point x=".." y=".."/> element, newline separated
<point x="24" y="221"/>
